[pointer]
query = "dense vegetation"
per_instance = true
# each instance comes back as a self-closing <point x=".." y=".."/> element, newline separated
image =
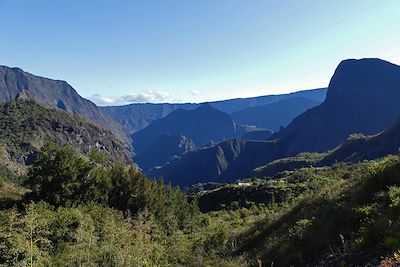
<point x="87" y="212"/>
<point x="25" y="126"/>
<point x="343" y="215"/>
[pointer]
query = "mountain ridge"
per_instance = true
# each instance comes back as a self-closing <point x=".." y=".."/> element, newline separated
<point x="25" y="126"/>
<point x="137" y="116"/>
<point x="319" y="129"/>
<point x="275" y="115"/>
<point x="55" y="93"/>
<point x="165" y="148"/>
<point x="202" y="125"/>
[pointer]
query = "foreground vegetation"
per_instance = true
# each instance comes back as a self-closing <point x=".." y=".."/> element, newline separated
<point x="75" y="211"/>
<point x="343" y="215"/>
<point x="86" y="212"/>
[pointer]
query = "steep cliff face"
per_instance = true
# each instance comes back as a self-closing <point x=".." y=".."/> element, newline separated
<point x="26" y="126"/>
<point x="165" y="148"/>
<point x="55" y="93"/>
<point x="363" y="97"/>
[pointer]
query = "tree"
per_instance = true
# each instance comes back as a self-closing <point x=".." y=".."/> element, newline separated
<point x="149" y="252"/>
<point x="25" y="237"/>
<point x="84" y="250"/>
<point x="57" y="176"/>
<point x="62" y="178"/>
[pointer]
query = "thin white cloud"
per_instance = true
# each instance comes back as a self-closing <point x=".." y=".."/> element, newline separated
<point x="195" y="92"/>
<point x="139" y="97"/>
<point x="146" y="96"/>
<point x="103" y="100"/>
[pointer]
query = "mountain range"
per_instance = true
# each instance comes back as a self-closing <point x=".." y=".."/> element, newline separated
<point x="134" y="117"/>
<point x="206" y="125"/>
<point x="300" y="182"/>
<point x="362" y="98"/>
<point x="218" y="141"/>
<point x="187" y="125"/>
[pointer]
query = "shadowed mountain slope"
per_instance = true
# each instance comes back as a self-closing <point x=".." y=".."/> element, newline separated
<point x="362" y="97"/>
<point x="165" y="148"/>
<point x="224" y="162"/>
<point x="55" y="93"/>
<point x="258" y="135"/>
<point x="274" y="115"/>
<point x="358" y="148"/>
<point x="202" y="125"/>
<point x="134" y="117"/>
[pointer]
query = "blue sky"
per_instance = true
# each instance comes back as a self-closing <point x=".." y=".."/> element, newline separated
<point x="116" y="52"/>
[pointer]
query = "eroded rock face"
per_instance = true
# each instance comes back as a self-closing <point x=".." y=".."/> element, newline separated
<point x="26" y="126"/>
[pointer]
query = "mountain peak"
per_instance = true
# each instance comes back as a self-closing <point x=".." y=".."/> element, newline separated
<point x="362" y="78"/>
<point x="205" y="106"/>
<point x="363" y="61"/>
<point x="362" y="97"/>
<point x="201" y="125"/>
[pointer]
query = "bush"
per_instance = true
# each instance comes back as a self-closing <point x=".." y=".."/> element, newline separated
<point x="62" y="178"/>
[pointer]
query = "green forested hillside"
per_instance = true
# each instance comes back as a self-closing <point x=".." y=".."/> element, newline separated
<point x="80" y="212"/>
<point x="356" y="148"/>
<point x="337" y="216"/>
<point x="26" y="126"/>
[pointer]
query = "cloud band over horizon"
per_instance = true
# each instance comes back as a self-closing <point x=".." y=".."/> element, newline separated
<point x="145" y="96"/>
